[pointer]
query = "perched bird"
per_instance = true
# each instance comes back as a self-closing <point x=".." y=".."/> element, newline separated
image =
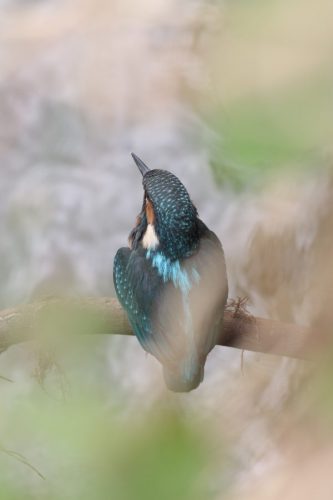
<point x="172" y="280"/>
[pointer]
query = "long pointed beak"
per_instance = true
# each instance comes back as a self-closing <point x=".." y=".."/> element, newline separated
<point x="141" y="166"/>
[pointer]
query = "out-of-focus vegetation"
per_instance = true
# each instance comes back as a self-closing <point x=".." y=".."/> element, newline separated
<point x="90" y="452"/>
<point x="265" y="134"/>
<point x="242" y="87"/>
<point x="272" y="97"/>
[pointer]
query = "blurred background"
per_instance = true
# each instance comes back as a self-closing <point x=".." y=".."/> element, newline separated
<point x="236" y="99"/>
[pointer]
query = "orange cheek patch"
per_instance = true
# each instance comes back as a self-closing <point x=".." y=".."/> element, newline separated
<point x="131" y="236"/>
<point x="150" y="212"/>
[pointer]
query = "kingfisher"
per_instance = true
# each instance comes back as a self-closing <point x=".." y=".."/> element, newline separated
<point x="171" y="280"/>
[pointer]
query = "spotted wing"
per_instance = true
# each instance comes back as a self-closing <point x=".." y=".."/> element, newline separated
<point x="138" y="287"/>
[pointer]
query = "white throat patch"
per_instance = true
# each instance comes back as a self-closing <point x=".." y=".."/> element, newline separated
<point x="150" y="240"/>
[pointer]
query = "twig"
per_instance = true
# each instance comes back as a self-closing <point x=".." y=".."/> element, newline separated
<point x="22" y="459"/>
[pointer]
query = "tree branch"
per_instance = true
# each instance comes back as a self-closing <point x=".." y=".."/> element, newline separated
<point x="104" y="315"/>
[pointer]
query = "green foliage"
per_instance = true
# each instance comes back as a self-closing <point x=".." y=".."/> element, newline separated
<point x="262" y="134"/>
<point x="162" y="460"/>
<point x="97" y="455"/>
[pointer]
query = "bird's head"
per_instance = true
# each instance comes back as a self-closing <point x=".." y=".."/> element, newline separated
<point x="168" y="221"/>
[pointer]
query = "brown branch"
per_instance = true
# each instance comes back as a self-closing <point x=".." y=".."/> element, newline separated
<point x="105" y="316"/>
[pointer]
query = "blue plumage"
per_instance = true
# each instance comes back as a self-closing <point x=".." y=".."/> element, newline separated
<point x="172" y="280"/>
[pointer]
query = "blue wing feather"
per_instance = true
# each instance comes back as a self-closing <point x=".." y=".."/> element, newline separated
<point x="138" y="287"/>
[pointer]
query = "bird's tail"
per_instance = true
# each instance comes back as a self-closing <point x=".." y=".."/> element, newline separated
<point x="186" y="377"/>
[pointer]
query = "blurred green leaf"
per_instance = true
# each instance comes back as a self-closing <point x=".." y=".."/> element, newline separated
<point x="163" y="460"/>
<point x="97" y="455"/>
<point x="262" y="134"/>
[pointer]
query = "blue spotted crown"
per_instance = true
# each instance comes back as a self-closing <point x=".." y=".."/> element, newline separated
<point x="176" y="217"/>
